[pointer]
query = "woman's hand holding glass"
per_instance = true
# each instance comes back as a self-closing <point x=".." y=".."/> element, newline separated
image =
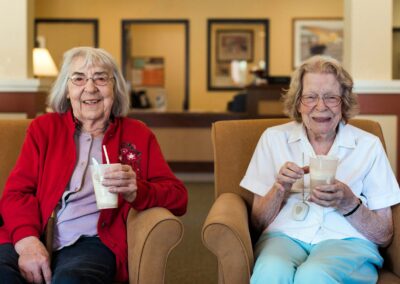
<point x="337" y="195"/>
<point x="289" y="173"/>
<point x="122" y="180"/>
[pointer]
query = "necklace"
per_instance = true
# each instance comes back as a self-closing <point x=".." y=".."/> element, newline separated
<point x="301" y="208"/>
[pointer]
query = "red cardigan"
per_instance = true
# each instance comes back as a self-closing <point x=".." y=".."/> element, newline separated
<point x="46" y="164"/>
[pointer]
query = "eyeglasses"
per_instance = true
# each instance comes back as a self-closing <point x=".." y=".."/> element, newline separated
<point x="98" y="80"/>
<point x="329" y="100"/>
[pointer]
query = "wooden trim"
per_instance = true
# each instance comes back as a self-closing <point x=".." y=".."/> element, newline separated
<point x="27" y="102"/>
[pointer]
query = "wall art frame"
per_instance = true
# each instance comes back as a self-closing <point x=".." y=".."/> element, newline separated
<point x="231" y="40"/>
<point x="313" y="36"/>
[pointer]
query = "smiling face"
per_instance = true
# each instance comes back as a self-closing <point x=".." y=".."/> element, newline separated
<point x="320" y="120"/>
<point x="91" y="104"/>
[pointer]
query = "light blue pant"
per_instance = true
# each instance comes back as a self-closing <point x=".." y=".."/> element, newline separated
<point x="281" y="259"/>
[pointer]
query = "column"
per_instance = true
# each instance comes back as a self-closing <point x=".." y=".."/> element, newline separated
<point x="368" y="39"/>
<point x="16" y="32"/>
<point x="20" y="93"/>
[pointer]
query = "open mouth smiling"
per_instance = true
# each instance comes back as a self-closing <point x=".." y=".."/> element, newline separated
<point x="321" y="119"/>
<point x="91" y="102"/>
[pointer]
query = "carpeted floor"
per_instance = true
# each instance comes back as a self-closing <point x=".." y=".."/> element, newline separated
<point x="190" y="262"/>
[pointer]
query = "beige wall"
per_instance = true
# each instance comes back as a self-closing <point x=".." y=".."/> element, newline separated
<point x="396" y="13"/>
<point x="280" y="13"/>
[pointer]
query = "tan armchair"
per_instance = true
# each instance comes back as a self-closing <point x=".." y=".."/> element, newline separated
<point x="147" y="253"/>
<point x="226" y="230"/>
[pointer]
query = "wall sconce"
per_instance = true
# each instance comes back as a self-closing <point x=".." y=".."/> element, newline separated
<point x="43" y="63"/>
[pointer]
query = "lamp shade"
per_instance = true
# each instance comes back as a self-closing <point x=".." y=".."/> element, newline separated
<point x="43" y="64"/>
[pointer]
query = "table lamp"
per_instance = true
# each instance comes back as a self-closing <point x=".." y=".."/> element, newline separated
<point x="43" y="63"/>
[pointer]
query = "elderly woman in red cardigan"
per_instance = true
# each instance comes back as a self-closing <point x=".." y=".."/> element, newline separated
<point x="52" y="174"/>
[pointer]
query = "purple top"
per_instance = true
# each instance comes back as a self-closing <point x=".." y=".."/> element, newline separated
<point x="76" y="213"/>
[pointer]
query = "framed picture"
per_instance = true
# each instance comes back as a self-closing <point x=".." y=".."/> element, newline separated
<point x="317" y="36"/>
<point x="234" y="45"/>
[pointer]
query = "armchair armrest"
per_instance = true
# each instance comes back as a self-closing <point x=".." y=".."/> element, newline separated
<point x="152" y="234"/>
<point x="226" y="234"/>
<point x="392" y="252"/>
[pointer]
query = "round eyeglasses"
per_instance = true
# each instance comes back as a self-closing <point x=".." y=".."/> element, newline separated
<point x="98" y="80"/>
<point x="329" y="100"/>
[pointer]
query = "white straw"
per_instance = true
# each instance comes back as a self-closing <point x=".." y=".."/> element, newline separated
<point x="302" y="191"/>
<point x="106" y="154"/>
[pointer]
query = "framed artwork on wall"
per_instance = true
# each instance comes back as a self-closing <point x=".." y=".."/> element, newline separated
<point x="234" y="48"/>
<point x="234" y="45"/>
<point x="312" y="36"/>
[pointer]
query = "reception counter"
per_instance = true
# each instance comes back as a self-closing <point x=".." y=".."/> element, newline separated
<point x="185" y="137"/>
<point x="182" y="119"/>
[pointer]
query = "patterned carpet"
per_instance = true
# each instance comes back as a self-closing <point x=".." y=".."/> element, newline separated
<point x="190" y="262"/>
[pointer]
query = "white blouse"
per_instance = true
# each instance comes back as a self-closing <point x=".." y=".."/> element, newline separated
<point x="363" y="166"/>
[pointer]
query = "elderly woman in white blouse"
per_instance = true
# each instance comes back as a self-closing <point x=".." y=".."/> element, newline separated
<point x="337" y="240"/>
